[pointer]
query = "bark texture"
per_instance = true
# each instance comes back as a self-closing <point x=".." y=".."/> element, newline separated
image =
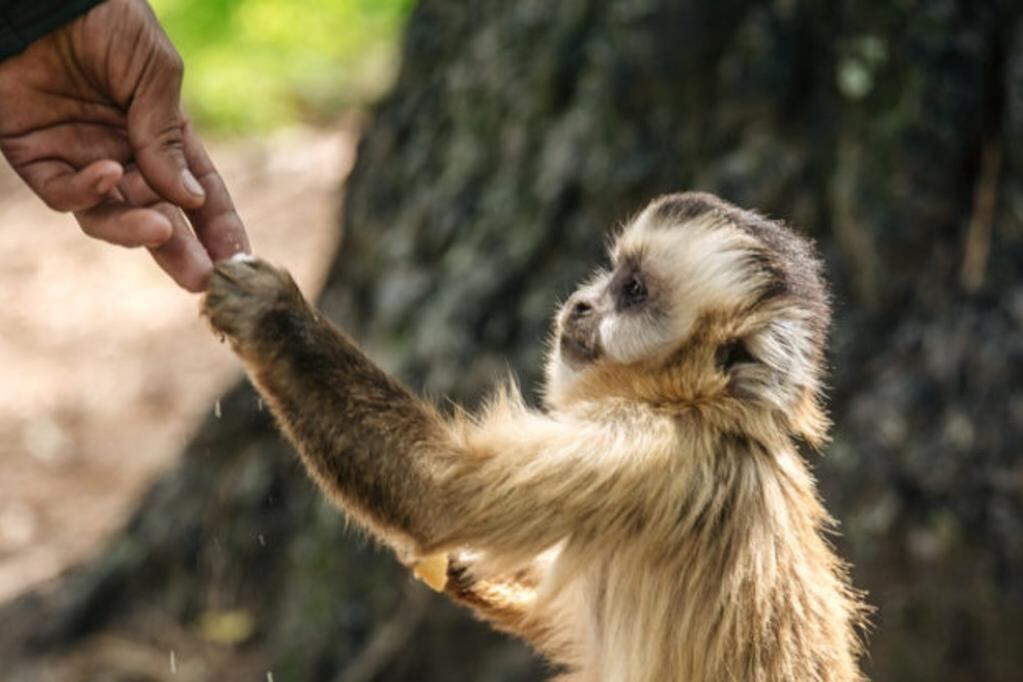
<point x="517" y="134"/>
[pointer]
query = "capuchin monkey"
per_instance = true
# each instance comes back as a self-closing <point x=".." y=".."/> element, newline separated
<point x="655" y="522"/>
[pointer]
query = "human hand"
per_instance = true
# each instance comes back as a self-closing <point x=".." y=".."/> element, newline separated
<point x="91" y="119"/>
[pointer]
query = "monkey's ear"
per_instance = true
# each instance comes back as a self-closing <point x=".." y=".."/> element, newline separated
<point x="747" y="376"/>
<point x="781" y="366"/>
<point x="732" y="353"/>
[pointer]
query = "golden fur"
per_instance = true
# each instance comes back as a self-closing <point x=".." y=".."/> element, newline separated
<point x="656" y="522"/>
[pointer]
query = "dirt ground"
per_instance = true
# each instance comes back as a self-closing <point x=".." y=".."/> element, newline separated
<point x="106" y="368"/>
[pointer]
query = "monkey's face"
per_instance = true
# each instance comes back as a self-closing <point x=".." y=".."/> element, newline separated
<point x="701" y="300"/>
<point x="663" y="278"/>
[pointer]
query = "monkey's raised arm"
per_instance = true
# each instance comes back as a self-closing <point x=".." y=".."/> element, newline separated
<point x="362" y="436"/>
<point x="513" y="483"/>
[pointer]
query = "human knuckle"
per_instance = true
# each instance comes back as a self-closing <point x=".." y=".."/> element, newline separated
<point x="169" y="137"/>
<point x="171" y="62"/>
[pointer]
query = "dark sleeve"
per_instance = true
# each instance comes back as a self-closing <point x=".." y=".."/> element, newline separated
<point x="22" y="21"/>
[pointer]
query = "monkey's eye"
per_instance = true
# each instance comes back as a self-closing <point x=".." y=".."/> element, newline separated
<point x="633" y="291"/>
<point x="732" y="353"/>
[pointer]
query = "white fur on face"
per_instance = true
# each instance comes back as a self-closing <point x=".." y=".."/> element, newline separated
<point x="631" y="338"/>
<point x="700" y="266"/>
<point x="560" y="379"/>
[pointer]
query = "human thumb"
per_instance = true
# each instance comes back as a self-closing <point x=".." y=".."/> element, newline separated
<point x="156" y="130"/>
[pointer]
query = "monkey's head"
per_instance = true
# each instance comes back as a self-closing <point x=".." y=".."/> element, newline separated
<point x="704" y="305"/>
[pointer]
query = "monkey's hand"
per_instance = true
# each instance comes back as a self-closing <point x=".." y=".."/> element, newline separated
<point x="255" y="305"/>
<point x="507" y="603"/>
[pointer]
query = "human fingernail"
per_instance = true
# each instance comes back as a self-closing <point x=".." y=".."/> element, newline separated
<point x="105" y="184"/>
<point x="191" y="184"/>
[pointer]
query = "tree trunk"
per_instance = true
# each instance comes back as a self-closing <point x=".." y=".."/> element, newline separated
<point x="517" y="134"/>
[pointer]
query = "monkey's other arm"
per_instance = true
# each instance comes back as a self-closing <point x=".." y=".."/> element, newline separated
<point x="511" y="483"/>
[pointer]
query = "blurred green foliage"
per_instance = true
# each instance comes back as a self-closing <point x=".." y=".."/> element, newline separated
<point x="251" y="65"/>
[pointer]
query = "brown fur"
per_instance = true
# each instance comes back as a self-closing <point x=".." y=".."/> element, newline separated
<point x="656" y="522"/>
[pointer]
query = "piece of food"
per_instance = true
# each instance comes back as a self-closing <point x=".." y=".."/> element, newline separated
<point x="432" y="570"/>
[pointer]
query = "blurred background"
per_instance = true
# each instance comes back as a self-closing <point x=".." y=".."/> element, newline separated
<point x="468" y="158"/>
<point x="258" y="65"/>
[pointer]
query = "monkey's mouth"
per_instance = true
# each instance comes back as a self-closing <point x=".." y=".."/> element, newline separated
<point x="577" y="352"/>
